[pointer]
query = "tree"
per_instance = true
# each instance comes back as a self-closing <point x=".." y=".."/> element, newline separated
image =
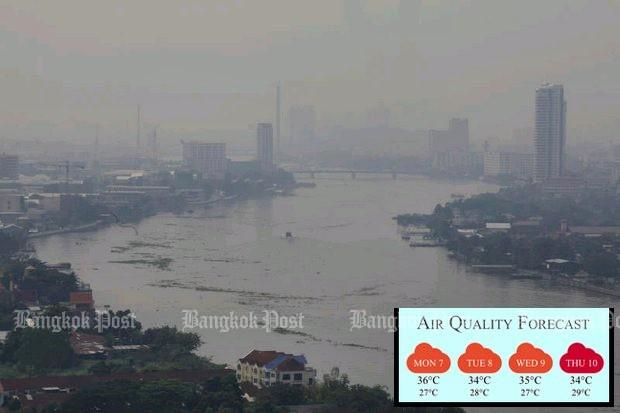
<point x="123" y="396"/>
<point x="14" y="405"/>
<point x="601" y="264"/>
<point x="171" y="342"/>
<point x="38" y="349"/>
<point x="283" y="395"/>
<point x="220" y="395"/>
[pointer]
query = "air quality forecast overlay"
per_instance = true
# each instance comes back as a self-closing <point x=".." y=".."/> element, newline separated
<point x="504" y="356"/>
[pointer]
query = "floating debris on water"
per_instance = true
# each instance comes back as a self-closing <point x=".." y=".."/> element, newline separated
<point x="160" y="263"/>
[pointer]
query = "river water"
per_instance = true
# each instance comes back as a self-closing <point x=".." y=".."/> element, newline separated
<point x="346" y="255"/>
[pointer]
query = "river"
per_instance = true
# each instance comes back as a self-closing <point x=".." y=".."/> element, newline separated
<point x="346" y="255"/>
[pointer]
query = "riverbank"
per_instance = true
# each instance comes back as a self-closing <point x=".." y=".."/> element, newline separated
<point x="80" y="228"/>
<point x="523" y="233"/>
<point x="231" y="257"/>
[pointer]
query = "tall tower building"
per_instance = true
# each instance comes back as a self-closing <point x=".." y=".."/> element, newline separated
<point x="550" y="132"/>
<point x="459" y="130"/>
<point x="264" y="141"/>
<point x="278" y="115"/>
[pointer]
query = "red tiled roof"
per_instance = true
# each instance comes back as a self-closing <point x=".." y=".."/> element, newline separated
<point x="260" y="358"/>
<point x="290" y="365"/>
<point x="81" y="297"/>
<point x="249" y="389"/>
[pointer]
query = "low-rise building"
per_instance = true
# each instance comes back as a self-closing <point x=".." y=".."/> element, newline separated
<point x="39" y="392"/>
<point x="498" y="226"/>
<point x="88" y="346"/>
<point x="82" y="300"/>
<point x="115" y="199"/>
<point x="518" y="165"/>
<point x="11" y="201"/>
<point x="266" y="368"/>
<point x="595" y="231"/>
<point x="563" y="185"/>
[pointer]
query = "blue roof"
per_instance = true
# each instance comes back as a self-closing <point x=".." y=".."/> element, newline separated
<point x="273" y="364"/>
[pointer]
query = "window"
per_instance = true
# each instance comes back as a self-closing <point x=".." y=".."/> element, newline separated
<point x="286" y="377"/>
<point x="310" y="381"/>
<point x="297" y="377"/>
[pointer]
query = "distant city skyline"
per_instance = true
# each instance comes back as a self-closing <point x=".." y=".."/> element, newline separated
<point x="198" y="66"/>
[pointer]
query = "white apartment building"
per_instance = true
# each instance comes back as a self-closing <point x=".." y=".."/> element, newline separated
<point x="208" y="158"/>
<point x="266" y="368"/>
<point x="518" y="165"/>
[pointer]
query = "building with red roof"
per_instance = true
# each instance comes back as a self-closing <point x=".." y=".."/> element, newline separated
<point x="266" y="368"/>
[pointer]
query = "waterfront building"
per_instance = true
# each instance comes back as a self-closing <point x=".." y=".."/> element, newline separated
<point x="266" y="368"/>
<point x="208" y="158"/>
<point x="550" y="132"/>
<point x="518" y="165"/>
<point x="454" y="139"/>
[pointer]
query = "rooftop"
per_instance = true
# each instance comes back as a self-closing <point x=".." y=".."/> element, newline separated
<point x="274" y="360"/>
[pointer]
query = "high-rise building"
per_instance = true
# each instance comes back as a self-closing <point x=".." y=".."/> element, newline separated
<point x="455" y="139"/>
<point x="9" y="166"/>
<point x="459" y="129"/>
<point x="550" y="132"/>
<point x="264" y="142"/>
<point x="278" y="116"/>
<point x="208" y="158"/>
<point x="301" y="124"/>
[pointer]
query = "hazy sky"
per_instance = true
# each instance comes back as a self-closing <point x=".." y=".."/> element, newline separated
<point x="210" y="64"/>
